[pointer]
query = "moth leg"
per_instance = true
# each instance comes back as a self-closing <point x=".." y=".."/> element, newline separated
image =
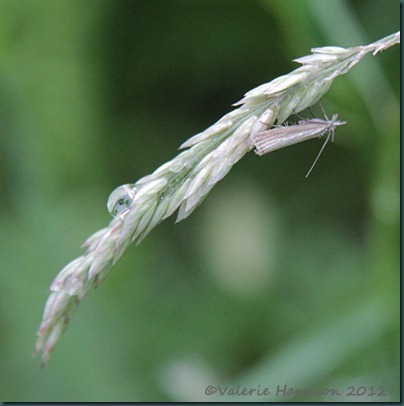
<point x="323" y="111"/>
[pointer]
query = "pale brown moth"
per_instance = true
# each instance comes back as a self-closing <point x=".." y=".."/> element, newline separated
<point x="286" y="135"/>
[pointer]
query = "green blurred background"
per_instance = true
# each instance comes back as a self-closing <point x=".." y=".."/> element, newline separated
<point x="274" y="280"/>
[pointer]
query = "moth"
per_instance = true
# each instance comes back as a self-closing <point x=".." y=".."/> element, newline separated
<point x="286" y="135"/>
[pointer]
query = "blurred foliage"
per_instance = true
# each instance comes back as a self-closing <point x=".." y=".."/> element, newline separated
<point x="275" y="279"/>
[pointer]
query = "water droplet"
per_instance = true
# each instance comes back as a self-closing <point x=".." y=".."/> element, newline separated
<point x="120" y="200"/>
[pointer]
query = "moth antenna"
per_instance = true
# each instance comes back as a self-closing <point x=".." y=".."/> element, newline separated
<point x="318" y="156"/>
<point x="311" y="112"/>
